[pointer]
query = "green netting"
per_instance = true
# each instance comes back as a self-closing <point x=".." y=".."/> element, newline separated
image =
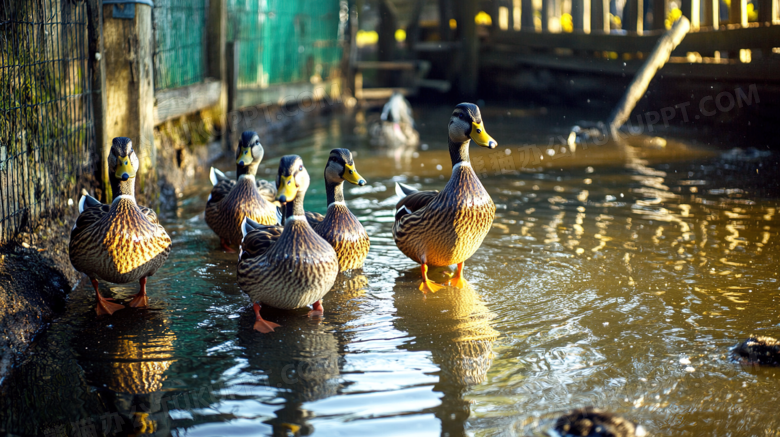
<point x="283" y="41"/>
<point x="179" y="34"/>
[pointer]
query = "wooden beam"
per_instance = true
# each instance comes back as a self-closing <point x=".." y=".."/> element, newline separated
<point x="768" y="11"/>
<point x="547" y="9"/>
<point x="633" y="16"/>
<point x="527" y="15"/>
<point x="705" y="41"/>
<point x="288" y="93"/>
<point x="599" y="16"/>
<point x="176" y="102"/>
<point x="98" y="69"/>
<point x="467" y="28"/>
<point x="711" y="13"/>
<point x="580" y="14"/>
<point x="691" y="9"/>
<point x="659" y="14"/>
<point x="397" y="65"/>
<point x="216" y="66"/>
<point x="738" y="12"/>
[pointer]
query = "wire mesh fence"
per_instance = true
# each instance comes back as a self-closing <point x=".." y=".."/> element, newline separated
<point x="46" y="123"/>
<point x="179" y="33"/>
<point x="285" y="41"/>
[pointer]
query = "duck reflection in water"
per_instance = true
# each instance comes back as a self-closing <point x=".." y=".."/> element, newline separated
<point x="454" y="325"/>
<point x="126" y="358"/>
<point x="300" y="361"/>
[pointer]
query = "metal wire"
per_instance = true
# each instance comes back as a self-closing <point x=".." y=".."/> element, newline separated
<point x="284" y="41"/>
<point x="179" y="34"/>
<point x="46" y="123"/>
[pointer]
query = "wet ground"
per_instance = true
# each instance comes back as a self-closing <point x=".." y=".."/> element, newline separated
<point x="615" y="276"/>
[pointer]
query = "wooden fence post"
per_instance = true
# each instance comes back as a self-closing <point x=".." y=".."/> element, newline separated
<point x="580" y="15"/>
<point x="216" y="65"/>
<point x="547" y="9"/>
<point x="659" y="14"/>
<point x="691" y="9"/>
<point x="599" y="16"/>
<point x="128" y="44"/>
<point x="633" y="16"/>
<point x="527" y="15"/>
<point x="711" y="13"/>
<point x="767" y="11"/>
<point x="466" y="10"/>
<point x="231" y="77"/>
<point x="98" y="69"/>
<point x="738" y="12"/>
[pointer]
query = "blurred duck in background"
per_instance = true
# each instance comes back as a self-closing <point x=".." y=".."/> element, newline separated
<point x="395" y="127"/>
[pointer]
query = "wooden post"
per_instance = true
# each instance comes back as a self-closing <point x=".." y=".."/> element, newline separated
<point x="658" y="57"/>
<point x="231" y="79"/>
<point x="767" y="11"/>
<point x="546" y="14"/>
<point x="98" y="70"/>
<point x="599" y="16"/>
<point x="691" y="9"/>
<point x="659" y="14"/>
<point x="216" y="65"/>
<point x="738" y="12"/>
<point x="445" y="14"/>
<point x="633" y="16"/>
<point x="527" y="15"/>
<point x="711" y="13"/>
<point x="387" y="28"/>
<point x="128" y="45"/>
<point x="466" y="10"/>
<point x="413" y="28"/>
<point x="580" y="15"/>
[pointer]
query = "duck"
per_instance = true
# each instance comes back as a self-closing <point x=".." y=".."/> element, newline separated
<point x="759" y="351"/>
<point x="231" y="201"/>
<point x="395" y="127"/>
<point x="339" y="226"/>
<point x="286" y="267"/>
<point x="594" y="422"/>
<point x="442" y="228"/>
<point x="120" y="242"/>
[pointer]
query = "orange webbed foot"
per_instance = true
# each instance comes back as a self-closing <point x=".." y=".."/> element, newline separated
<point x="104" y="307"/>
<point x="317" y="310"/>
<point x="430" y="286"/>
<point x="226" y="246"/>
<point x="139" y="301"/>
<point x="457" y="282"/>
<point x="262" y="325"/>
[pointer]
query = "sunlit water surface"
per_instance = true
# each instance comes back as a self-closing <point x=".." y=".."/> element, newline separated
<point x="618" y="277"/>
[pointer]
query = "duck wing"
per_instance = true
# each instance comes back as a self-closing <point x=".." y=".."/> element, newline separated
<point x="314" y="218"/>
<point x="266" y="189"/>
<point x="150" y="214"/>
<point x="91" y="211"/>
<point x="222" y="185"/>
<point x="412" y="200"/>
<point x="257" y="238"/>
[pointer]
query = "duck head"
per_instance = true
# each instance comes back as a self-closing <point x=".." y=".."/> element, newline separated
<point x="292" y="179"/>
<point x="466" y="124"/>
<point x="341" y="167"/>
<point x="249" y="153"/>
<point x="122" y="160"/>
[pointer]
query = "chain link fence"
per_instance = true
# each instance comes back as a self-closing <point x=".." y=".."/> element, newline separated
<point x="46" y="122"/>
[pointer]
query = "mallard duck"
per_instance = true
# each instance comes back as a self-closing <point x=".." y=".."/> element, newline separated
<point x="230" y="201"/>
<point x="759" y="351"/>
<point x="595" y="422"/>
<point x="444" y="228"/>
<point x="339" y="226"/>
<point x="395" y="127"/>
<point x="121" y="242"/>
<point x="289" y="267"/>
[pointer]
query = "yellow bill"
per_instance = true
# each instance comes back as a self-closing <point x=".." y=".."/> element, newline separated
<point x="481" y="137"/>
<point x="245" y="156"/>
<point x="287" y="189"/>
<point x="124" y="166"/>
<point x="351" y="175"/>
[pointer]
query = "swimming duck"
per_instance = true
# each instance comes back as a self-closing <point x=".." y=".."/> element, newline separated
<point x="121" y="242"/>
<point x="230" y="201"/>
<point x="594" y="422"/>
<point x="339" y="226"/>
<point x="395" y="127"/>
<point x="759" y="351"/>
<point x="443" y="228"/>
<point x="289" y="267"/>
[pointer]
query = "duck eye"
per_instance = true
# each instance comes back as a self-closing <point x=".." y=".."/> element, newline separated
<point x="460" y="116"/>
<point x="300" y="168"/>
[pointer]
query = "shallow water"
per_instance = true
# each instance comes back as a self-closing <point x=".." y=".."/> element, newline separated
<point x="618" y="277"/>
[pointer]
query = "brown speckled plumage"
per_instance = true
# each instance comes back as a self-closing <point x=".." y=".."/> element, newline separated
<point x="231" y="201"/>
<point x="445" y="228"/>
<point x="121" y="242"/>
<point x="292" y="268"/>
<point x="225" y="214"/>
<point x="344" y="232"/>
<point x="451" y="226"/>
<point x="297" y="270"/>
